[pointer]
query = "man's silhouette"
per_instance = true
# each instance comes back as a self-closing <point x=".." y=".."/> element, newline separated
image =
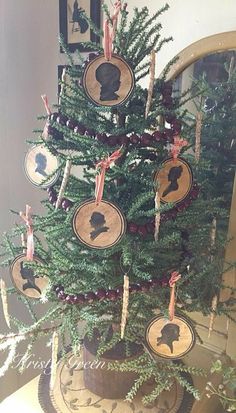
<point x="97" y="221"/>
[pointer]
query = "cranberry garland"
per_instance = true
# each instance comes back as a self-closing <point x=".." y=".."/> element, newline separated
<point x="110" y="295"/>
<point x="132" y="227"/>
<point x="145" y="139"/>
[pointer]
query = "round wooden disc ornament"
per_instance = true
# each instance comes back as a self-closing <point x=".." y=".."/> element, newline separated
<point x="24" y="279"/>
<point x="39" y="165"/>
<point x="99" y="226"/>
<point x="70" y="394"/>
<point x="108" y="83"/>
<point x="175" y="179"/>
<point x="170" y="339"/>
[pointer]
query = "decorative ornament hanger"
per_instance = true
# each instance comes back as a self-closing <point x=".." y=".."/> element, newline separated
<point x="30" y="235"/>
<point x="178" y="144"/>
<point x="109" y="29"/>
<point x="100" y="178"/>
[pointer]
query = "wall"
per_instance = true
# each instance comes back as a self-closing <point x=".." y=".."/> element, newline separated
<point x="29" y="56"/>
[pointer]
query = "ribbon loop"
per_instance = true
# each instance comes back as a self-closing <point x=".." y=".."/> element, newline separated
<point x="100" y="179"/>
<point x="30" y="236"/>
<point x="175" y="276"/>
<point x="110" y="32"/>
<point x="49" y="112"/>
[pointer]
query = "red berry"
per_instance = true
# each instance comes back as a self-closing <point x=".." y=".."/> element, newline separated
<point x="100" y="294"/>
<point x="132" y="228"/>
<point x="90" y="297"/>
<point x="112" y="295"/>
<point x="157" y="136"/>
<point x="142" y="230"/>
<point x="135" y="139"/>
<point x="146" y="139"/>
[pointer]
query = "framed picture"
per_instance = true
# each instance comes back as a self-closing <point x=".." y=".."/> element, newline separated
<point x="74" y="27"/>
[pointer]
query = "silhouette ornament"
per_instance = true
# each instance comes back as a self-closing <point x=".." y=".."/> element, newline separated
<point x="108" y="83"/>
<point x="25" y="279"/>
<point x="170" y="339"/>
<point x="100" y="225"/>
<point x="174" y="180"/>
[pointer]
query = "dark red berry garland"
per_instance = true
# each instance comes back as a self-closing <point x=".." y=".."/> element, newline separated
<point x="143" y="140"/>
<point x="109" y="295"/>
<point x="134" y="228"/>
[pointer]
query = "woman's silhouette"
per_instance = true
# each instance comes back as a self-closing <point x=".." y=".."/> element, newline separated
<point x="174" y="174"/>
<point x="108" y="75"/>
<point x="97" y="221"/>
<point x="41" y="164"/>
<point x="170" y="333"/>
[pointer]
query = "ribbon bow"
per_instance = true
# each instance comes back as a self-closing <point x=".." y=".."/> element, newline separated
<point x="175" y="276"/>
<point x="178" y="144"/>
<point x="30" y="238"/>
<point x="100" y="179"/>
<point x="110" y="32"/>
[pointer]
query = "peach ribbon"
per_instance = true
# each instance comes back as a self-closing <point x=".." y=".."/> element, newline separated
<point x="175" y="276"/>
<point x="48" y="110"/>
<point x="178" y="144"/>
<point x="110" y="32"/>
<point x="30" y="236"/>
<point x="100" y="179"/>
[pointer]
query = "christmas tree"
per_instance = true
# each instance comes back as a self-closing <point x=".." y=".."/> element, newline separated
<point x="148" y="215"/>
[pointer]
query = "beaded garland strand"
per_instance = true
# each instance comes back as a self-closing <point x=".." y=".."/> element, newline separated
<point x="111" y="294"/>
<point x="145" y="139"/>
<point x="132" y="227"/>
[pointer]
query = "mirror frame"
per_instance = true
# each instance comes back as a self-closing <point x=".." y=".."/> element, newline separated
<point x="208" y="45"/>
<point x="216" y="43"/>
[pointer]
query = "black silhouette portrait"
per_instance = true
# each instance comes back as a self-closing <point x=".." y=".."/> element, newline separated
<point x="28" y="274"/>
<point x="41" y="164"/>
<point x="108" y="75"/>
<point x="79" y="22"/>
<point x="170" y="333"/>
<point x="174" y="174"/>
<point x="97" y="221"/>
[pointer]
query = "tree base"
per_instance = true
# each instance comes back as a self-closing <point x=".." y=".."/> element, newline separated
<point x="105" y="383"/>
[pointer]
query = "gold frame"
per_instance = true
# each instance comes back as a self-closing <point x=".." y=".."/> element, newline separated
<point x="212" y="44"/>
<point x="217" y="43"/>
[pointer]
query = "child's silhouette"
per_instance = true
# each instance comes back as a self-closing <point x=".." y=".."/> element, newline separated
<point x="108" y="75"/>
